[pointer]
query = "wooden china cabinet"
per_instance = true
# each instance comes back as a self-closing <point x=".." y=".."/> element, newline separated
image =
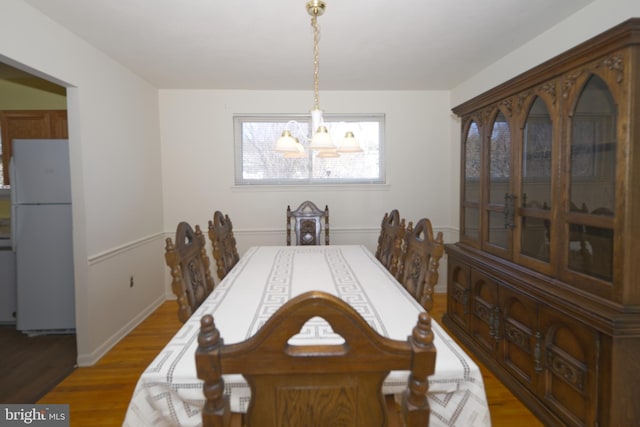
<point x="544" y="284"/>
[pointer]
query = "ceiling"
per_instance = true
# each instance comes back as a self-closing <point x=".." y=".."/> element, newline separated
<point x="257" y="44"/>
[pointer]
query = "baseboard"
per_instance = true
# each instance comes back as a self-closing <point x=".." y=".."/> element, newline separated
<point x="90" y="359"/>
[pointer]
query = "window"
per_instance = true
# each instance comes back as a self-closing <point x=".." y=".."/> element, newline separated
<point x="256" y="161"/>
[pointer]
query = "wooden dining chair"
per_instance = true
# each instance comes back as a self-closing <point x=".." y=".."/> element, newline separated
<point x="308" y="223"/>
<point x="390" y="241"/>
<point x="189" y="264"/>
<point x="316" y="385"/>
<point x="419" y="262"/>
<point x="223" y="243"/>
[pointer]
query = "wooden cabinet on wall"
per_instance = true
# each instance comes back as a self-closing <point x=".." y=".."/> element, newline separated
<point x="544" y="284"/>
<point x="29" y="124"/>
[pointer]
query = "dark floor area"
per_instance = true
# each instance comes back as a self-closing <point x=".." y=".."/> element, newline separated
<point x="30" y="366"/>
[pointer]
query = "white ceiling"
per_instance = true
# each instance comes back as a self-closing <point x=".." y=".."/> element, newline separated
<point x="257" y="44"/>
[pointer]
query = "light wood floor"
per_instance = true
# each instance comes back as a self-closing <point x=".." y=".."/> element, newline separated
<point x="99" y="395"/>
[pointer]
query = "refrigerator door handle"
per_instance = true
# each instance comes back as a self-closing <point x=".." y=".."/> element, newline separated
<point x="14" y="228"/>
<point x="14" y="208"/>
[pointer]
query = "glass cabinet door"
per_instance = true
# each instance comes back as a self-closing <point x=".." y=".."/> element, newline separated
<point x="590" y="216"/>
<point x="472" y="182"/>
<point x="499" y="208"/>
<point x="535" y="183"/>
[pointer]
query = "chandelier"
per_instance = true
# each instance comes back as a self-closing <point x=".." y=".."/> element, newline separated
<point x="320" y="140"/>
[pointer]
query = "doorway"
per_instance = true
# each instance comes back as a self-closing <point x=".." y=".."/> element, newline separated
<point x="30" y="107"/>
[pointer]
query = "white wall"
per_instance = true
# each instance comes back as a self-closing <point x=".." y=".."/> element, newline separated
<point x="198" y="164"/>
<point x="592" y="20"/>
<point x="115" y="172"/>
<point x="18" y="96"/>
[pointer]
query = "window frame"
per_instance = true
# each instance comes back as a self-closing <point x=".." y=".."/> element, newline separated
<point x="240" y="119"/>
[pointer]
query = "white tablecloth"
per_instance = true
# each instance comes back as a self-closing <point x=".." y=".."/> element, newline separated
<point x="169" y="393"/>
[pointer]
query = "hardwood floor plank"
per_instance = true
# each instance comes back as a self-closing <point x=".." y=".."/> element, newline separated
<point x="99" y="395"/>
<point x="32" y="365"/>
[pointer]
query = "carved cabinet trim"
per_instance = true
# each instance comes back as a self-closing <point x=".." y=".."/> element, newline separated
<point x="544" y="284"/>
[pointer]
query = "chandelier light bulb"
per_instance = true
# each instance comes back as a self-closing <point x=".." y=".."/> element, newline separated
<point x="320" y="137"/>
<point x="286" y="142"/>
<point x="328" y="153"/>
<point x="349" y="144"/>
<point x="321" y="140"/>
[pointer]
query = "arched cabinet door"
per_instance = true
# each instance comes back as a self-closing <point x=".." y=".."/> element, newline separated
<point x="535" y="237"/>
<point x="471" y="185"/>
<point x="588" y="216"/>
<point x="499" y="200"/>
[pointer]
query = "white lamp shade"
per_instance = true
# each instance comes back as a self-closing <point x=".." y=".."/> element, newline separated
<point x="349" y="144"/>
<point x="321" y="140"/>
<point x="295" y="155"/>
<point x="327" y="153"/>
<point x="298" y="153"/>
<point x="286" y="143"/>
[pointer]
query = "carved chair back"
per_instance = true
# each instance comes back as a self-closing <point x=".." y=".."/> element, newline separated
<point x="223" y="243"/>
<point x="308" y="223"/>
<point x="304" y="385"/>
<point x="390" y="241"/>
<point x="189" y="264"/>
<point x="419" y="262"/>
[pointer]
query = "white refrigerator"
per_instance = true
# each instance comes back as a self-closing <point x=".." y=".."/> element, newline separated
<point x="42" y="235"/>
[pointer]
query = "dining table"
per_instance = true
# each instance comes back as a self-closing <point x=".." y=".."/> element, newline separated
<point x="169" y="393"/>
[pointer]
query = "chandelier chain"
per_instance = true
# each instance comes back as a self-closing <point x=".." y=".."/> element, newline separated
<point x="316" y="61"/>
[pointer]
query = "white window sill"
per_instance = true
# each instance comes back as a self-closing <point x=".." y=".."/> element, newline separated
<point x="310" y="187"/>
